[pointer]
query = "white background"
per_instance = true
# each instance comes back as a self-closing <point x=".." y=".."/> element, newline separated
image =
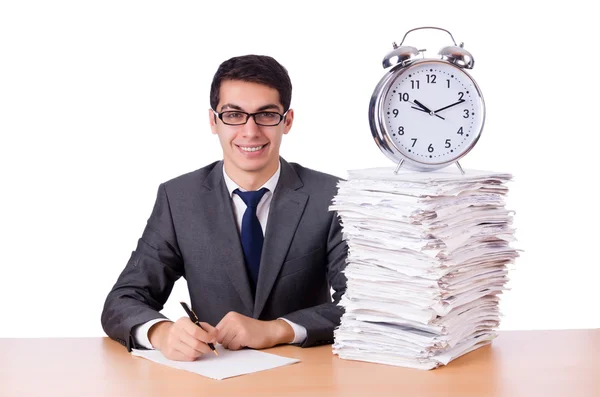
<point x="101" y="101"/>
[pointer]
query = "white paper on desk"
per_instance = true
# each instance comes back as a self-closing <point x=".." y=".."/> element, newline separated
<point x="228" y="364"/>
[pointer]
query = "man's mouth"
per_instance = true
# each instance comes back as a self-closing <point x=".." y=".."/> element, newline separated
<point x="252" y="148"/>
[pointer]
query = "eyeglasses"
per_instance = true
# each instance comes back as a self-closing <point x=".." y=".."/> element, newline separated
<point x="235" y="117"/>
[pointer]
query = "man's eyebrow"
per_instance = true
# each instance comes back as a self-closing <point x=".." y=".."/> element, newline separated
<point x="270" y="106"/>
<point x="267" y="107"/>
<point x="231" y="106"/>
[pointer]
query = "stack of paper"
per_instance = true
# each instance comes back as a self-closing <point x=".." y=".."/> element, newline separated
<point x="427" y="260"/>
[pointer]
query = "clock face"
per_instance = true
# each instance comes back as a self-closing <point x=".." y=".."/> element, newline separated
<point x="433" y="112"/>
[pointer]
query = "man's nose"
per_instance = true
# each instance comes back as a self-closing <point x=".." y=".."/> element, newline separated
<point x="251" y="128"/>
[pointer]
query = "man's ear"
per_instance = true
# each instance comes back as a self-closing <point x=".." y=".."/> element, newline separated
<point x="212" y="119"/>
<point x="288" y="121"/>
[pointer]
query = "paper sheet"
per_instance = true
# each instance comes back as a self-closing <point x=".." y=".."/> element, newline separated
<point x="228" y="364"/>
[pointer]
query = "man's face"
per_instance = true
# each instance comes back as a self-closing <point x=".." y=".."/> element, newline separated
<point x="249" y="148"/>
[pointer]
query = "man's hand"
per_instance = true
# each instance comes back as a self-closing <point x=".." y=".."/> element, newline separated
<point x="182" y="340"/>
<point x="236" y="331"/>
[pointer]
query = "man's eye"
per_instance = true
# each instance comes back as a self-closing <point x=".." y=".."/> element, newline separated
<point x="233" y="115"/>
<point x="268" y="115"/>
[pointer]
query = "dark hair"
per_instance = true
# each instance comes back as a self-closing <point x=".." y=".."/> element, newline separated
<point x="260" y="69"/>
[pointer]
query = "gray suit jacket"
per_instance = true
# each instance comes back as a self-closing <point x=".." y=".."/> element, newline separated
<point x="192" y="233"/>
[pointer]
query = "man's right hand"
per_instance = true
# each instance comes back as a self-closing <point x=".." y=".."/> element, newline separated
<point x="182" y="340"/>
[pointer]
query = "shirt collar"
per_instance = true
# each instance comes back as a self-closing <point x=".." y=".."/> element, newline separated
<point x="270" y="184"/>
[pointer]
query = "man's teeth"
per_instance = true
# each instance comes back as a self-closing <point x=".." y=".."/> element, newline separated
<point x="251" y="149"/>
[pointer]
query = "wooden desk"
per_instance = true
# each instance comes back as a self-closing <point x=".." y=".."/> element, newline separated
<point x="518" y="363"/>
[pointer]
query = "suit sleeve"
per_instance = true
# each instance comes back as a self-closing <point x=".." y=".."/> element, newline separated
<point x="321" y="320"/>
<point x="145" y="284"/>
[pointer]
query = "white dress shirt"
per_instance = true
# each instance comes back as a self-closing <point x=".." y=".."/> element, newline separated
<point x="140" y="333"/>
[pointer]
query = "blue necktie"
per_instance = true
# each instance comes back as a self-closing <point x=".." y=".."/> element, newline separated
<point x="252" y="234"/>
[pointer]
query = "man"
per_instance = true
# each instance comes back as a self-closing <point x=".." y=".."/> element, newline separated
<point x="208" y="227"/>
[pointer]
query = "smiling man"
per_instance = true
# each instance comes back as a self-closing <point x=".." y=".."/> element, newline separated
<point x="251" y="234"/>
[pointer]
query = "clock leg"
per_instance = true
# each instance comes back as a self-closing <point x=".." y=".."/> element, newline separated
<point x="460" y="168"/>
<point x="398" y="166"/>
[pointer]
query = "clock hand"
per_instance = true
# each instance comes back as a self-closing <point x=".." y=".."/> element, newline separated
<point x="419" y="104"/>
<point x="449" y="106"/>
<point x="425" y="109"/>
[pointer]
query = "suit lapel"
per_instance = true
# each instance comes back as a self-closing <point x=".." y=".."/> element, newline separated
<point x="285" y="213"/>
<point x="226" y="240"/>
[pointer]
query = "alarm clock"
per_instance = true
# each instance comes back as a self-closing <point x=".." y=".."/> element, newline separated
<point x="426" y="113"/>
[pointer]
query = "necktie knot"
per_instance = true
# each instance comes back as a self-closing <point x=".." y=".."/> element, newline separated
<point x="251" y="198"/>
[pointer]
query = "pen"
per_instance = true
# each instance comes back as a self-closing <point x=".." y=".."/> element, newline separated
<point x="195" y="320"/>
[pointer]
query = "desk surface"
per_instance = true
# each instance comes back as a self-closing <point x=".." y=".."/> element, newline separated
<point x="517" y="363"/>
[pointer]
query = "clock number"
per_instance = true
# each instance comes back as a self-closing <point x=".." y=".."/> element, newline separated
<point x="466" y="116"/>
<point x="448" y="144"/>
<point x="414" y="141"/>
<point x="401" y="130"/>
<point x="404" y="97"/>
<point x="460" y="131"/>
<point x="431" y="78"/>
<point x="395" y="111"/>
<point x="448" y="81"/>
<point x="415" y="83"/>
<point x="460" y="96"/>
<point x="430" y="148"/>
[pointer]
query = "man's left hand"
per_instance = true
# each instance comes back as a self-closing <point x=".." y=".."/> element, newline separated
<point x="236" y="331"/>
